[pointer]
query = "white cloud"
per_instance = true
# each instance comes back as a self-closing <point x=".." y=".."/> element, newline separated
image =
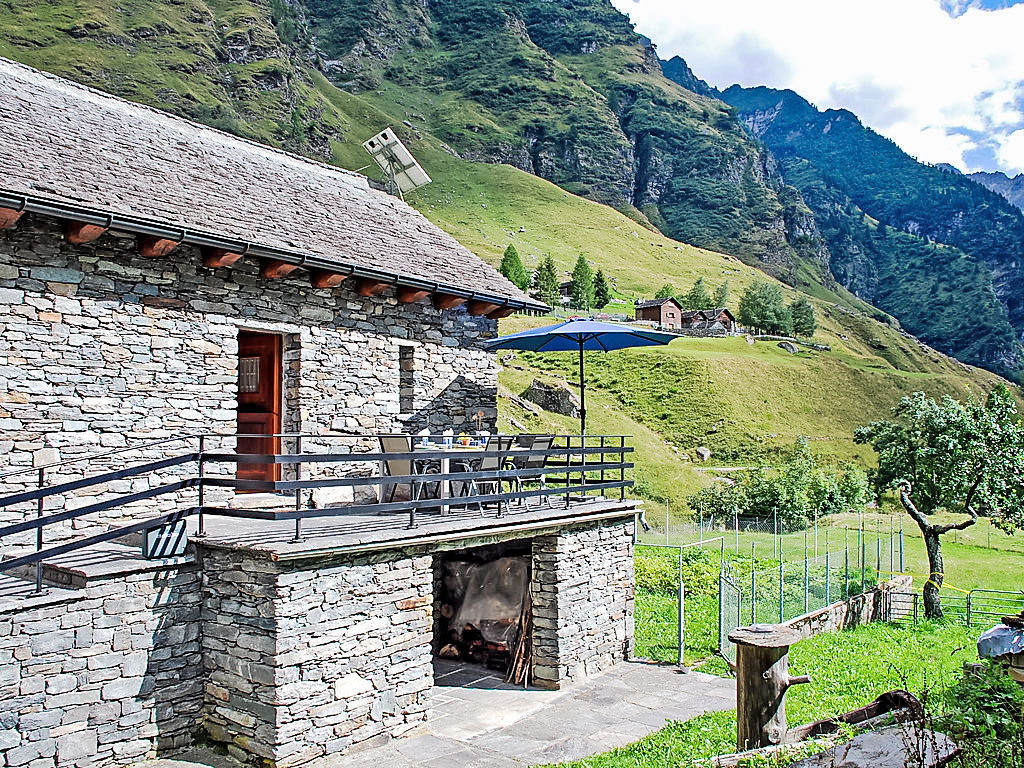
<point x="945" y="80"/>
<point x="1011" y="152"/>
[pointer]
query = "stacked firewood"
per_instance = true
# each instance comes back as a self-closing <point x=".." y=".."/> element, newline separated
<point x="518" y="672"/>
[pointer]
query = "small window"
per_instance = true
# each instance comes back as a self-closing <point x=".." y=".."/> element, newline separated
<point x="406" y="378"/>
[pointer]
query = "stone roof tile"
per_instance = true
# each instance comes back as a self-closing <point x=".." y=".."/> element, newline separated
<point x="70" y="144"/>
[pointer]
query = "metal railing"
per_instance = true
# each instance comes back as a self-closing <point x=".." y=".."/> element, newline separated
<point x="572" y="469"/>
<point x="973" y="608"/>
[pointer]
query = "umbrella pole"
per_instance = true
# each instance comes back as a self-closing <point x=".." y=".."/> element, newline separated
<point x="583" y="395"/>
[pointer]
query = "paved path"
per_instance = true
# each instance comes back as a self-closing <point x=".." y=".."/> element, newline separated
<point x="478" y="721"/>
<point x="487" y="725"/>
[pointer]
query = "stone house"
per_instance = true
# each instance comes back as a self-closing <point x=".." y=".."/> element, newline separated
<point x="718" y="320"/>
<point x="665" y="313"/>
<point x="172" y="295"/>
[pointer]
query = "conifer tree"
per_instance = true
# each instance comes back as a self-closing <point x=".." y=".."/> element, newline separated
<point x="602" y="291"/>
<point x="582" y="287"/>
<point x="721" y="295"/>
<point x="546" y="282"/>
<point x="698" y="297"/>
<point x="512" y="268"/>
<point x="804" y="322"/>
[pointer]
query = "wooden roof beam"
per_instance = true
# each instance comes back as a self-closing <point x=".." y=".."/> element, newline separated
<point x="448" y="301"/>
<point x="80" y="232"/>
<point x="154" y="247"/>
<point x="477" y="307"/>
<point x="323" y="278"/>
<point x="218" y="257"/>
<point x="372" y="287"/>
<point x="407" y="294"/>
<point x="500" y="313"/>
<point x="9" y="217"/>
<point x="271" y="269"/>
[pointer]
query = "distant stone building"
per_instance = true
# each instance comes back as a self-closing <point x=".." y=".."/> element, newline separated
<point x="665" y="313"/>
<point x="708" y="322"/>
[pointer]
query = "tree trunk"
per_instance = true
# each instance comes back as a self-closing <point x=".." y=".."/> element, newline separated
<point x="932" y="602"/>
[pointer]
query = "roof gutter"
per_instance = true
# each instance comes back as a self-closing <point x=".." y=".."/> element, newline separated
<point x="142" y="226"/>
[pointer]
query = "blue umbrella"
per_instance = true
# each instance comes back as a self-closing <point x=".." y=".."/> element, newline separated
<point x="581" y="335"/>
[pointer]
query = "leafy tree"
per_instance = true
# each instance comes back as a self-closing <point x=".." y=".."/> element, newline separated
<point x="763" y="309"/>
<point x="582" y="288"/>
<point x="697" y="298"/>
<point x="802" y="312"/>
<point x="667" y="291"/>
<point x="602" y="291"/>
<point x="512" y="268"/>
<point x="721" y="296"/>
<point x="545" y="281"/>
<point x="946" y="456"/>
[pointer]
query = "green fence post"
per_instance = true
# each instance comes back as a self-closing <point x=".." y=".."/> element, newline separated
<point x="807" y="594"/>
<point x="828" y="574"/>
<point x="681" y="635"/>
<point x="782" y="584"/>
<point x="753" y="582"/>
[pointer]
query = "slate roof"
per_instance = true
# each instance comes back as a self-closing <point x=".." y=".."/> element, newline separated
<point x="65" y="143"/>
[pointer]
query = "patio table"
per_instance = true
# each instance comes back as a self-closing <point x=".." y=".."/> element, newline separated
<point x="446" y="462"/>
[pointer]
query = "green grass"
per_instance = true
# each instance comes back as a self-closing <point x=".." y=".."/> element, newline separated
<point x="848" y="669"/>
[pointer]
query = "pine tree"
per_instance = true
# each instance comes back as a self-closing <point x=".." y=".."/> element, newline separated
<point x="582" y="288"/>
<point x="667" y="291"/>
<point x="804" y="322"/>
<point x="698" y="297"/>
<point x="602" y="291"/>
<point x="512" y="268"/>
<point x="546" y="282"/>
<point x="721" y="295"/>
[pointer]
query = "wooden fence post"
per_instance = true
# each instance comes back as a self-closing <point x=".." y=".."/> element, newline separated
<point x="762" y="679"/>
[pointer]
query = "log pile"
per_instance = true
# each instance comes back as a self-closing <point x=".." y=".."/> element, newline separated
<point x="522" y="652"/>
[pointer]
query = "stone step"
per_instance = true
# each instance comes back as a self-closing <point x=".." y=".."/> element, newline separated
<point x="104" y="561"/>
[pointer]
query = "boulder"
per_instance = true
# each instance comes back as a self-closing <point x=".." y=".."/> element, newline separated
<point x="556" y="398"/>
<point x="703" y="453"/>
<point x="789" y="347"/>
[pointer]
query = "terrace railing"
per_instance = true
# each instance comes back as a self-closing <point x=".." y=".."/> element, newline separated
<point x="195" y="479"/>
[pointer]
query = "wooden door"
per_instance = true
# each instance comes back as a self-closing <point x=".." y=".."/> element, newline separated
<point x="259" y="401"/>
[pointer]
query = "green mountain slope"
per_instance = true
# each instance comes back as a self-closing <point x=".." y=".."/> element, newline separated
<point x="565" y="90"/>
<point x="845" y="170"/>
<point x="210" y="62"/>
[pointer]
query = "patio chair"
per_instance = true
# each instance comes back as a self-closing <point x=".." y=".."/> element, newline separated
<point x="532" y="462"/>
<point x="492" y="459"/>
<point x="400" y="467"/>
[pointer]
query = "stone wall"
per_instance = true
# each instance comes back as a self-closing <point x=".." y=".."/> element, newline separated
<point x="890" y="601"/>
<point x="304" y="662"/>
<point x="582" y="601"/>
<point x="107" y="674"/>
<point x="102" y="348"/>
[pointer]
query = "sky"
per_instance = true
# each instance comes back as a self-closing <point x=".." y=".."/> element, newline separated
<point x="944" y="79"/>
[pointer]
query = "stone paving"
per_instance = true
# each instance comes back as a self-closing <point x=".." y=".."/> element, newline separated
<point x="478" y="721"/>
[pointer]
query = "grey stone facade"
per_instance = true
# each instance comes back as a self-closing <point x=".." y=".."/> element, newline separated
<point x="104" y="675"/>
<point x="582" y="595"/>
<point x="306" y="661"/>
<point x="103" y="348"/>
<point x="284" y="662"/>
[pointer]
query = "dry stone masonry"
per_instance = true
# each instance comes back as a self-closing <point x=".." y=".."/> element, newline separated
<point x="283" y="662"/>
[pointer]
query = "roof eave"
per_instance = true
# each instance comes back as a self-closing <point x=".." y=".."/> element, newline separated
<point x="146" y="226"/>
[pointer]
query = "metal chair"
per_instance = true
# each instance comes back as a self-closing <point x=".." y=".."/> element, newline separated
<point x="404" y="467"/>
<point x="532" y="462"/>
<point x="493" y="459"/>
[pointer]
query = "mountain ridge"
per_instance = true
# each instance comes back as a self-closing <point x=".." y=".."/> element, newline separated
<point x="1012" y="188"/>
